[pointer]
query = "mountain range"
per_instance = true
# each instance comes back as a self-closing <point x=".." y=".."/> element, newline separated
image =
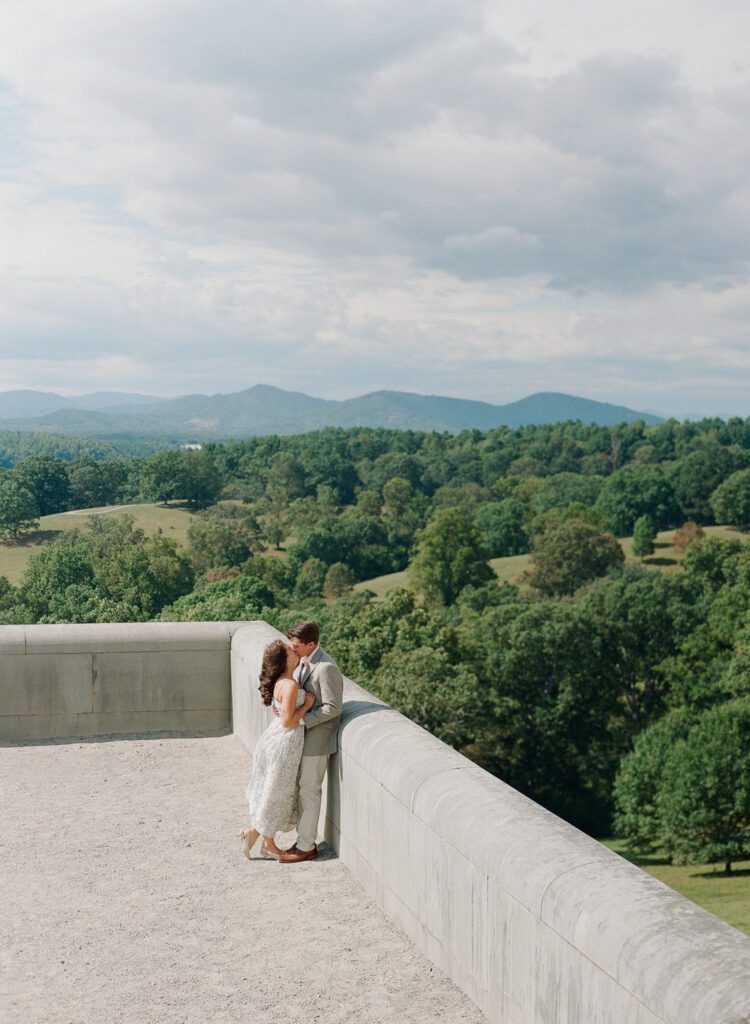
<point x="268" y="410"/>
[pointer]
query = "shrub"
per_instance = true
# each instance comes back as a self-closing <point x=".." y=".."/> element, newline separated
<point x="688" y="534"/>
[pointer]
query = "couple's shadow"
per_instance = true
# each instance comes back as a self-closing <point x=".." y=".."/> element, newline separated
<point x="358" y="708"/>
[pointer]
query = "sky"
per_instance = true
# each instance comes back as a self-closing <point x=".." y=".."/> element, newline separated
<point x="456" y="197"/>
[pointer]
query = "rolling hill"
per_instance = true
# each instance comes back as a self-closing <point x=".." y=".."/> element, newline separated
<point x="267" y="410"/>
<point x="25" y="404"/>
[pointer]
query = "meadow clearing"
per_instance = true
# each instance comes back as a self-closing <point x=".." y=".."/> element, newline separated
<point x="511" y="569"/>
<point x="172" y="520"/>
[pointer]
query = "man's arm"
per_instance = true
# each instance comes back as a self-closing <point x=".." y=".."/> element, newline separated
<point x="331" y="696"/>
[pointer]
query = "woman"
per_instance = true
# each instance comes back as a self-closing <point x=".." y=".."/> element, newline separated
<point x="272" y="789"/>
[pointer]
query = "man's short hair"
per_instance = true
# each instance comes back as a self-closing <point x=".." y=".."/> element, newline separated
<point x="307" y="632"/>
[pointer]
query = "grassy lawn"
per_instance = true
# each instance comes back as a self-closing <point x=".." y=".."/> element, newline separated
<point x="172" y="520"/>
<point x="727" y="896"/>
<point x="380" y="585"/>
<point x="664" y="559"/>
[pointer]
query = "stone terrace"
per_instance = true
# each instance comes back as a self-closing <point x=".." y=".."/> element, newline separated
<point x="126" y="899"/>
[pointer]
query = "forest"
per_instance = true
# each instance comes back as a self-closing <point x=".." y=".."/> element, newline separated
<point x="615" y="693"/>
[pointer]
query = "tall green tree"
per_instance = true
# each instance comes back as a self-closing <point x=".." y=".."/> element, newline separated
<point x="18" y="508"/>
<point x="553" y="727"/>
<point x="59" y="580"/>
<point x="162" y="476"/>
<point x="502" y="526"/>
<point x="638" y="783"/>
<point x="705" y="796"/>
<point x="339" y="580"/>
<point x="47" y="479"/>
<point x="696" y="476"/>
<point x="310" y="579"/>
<point x="221" y="540"/>
<point x="450" y="556"/>
<point x="731" y="500"/>
<point x="644" y="535"/>
<point x="636" y="491"/>
<point x="134" y="570"/>
<point x="638" y="620"/>
<point x="571" y="554"/>
<point x="430" y="689"/>
<point x="200" y="479"/>
<point x="89" y="487"/>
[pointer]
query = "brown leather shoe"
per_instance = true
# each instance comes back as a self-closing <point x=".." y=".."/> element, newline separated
<point x="294" y="856"/>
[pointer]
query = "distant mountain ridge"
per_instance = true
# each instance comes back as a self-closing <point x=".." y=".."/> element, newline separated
<point x="263" y="409"/>
<point x="27" y="403"/>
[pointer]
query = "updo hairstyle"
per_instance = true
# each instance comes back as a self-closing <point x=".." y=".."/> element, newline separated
<point x="274" y="663"/>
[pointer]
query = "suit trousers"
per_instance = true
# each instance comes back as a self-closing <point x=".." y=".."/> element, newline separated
<point x="311" y="777"/>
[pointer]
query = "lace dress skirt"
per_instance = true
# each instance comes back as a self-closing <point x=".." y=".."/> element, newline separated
<point x="272" y="792"/>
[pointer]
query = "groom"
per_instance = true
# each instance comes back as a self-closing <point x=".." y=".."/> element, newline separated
<point x="319" y="674"/>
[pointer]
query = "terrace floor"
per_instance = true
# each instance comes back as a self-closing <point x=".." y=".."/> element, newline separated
<point x="125" y="898"/>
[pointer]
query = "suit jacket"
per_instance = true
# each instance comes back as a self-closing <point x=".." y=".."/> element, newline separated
<point x="321" y="677"/>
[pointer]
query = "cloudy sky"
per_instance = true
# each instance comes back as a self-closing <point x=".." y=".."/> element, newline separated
<point x="479" y="199"/>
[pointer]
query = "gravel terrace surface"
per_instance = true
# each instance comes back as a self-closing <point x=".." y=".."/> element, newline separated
<point x="125" y="898"/>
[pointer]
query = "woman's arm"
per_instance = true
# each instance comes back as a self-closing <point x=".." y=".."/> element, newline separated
<point x="290" y="715"/>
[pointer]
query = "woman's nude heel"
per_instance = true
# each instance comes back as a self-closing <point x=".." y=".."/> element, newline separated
<point x="247" y="846"/>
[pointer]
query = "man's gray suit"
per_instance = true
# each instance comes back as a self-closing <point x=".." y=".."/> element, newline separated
<point x="320" y="676"/>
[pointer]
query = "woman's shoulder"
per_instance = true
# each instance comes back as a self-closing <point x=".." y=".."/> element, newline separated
<point x="284" y="685"/>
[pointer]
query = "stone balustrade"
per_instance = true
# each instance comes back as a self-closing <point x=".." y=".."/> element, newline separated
<point x="91" y="680"/>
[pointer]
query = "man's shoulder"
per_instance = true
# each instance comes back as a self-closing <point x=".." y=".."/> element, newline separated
<point x="325" y="659"/>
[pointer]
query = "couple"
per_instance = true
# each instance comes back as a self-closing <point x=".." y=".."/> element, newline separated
<point x="305" y="688"/>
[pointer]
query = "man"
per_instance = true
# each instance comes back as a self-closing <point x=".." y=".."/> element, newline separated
<point x="319" y="674"/>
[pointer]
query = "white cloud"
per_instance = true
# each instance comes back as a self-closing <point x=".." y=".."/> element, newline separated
<point x="356" y="195"/>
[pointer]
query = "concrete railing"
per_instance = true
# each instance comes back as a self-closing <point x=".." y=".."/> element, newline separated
<point x="537" y="923"/>
<point x="91" y="680"/>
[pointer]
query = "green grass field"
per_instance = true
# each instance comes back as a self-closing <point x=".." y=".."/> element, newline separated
<point x="664" y="559"/>
<point x="172" y="520"/>
<point x="727" y="896"/>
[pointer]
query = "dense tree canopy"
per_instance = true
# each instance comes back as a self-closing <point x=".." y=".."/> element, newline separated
<point x="243" y="597"/>
<point x="113" y="573"/>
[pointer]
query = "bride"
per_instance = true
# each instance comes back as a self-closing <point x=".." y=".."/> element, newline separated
<point x="272" y="792"/>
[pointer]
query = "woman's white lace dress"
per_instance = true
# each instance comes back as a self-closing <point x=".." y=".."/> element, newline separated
<point x="272" y="792"/>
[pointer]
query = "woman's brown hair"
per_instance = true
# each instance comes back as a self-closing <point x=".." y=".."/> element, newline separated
<point x="274" y="663"/>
